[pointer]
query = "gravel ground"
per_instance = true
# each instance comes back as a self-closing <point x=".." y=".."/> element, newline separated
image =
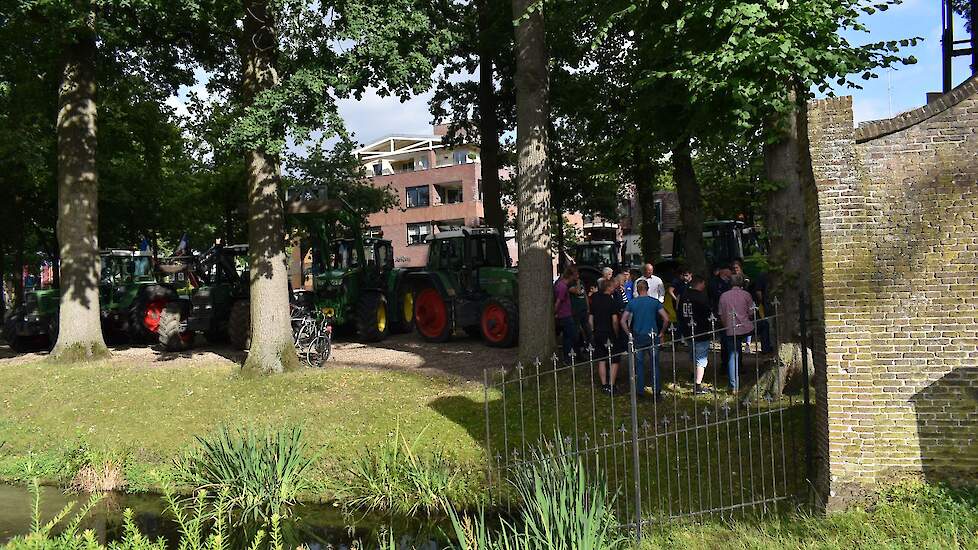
<point x="463" y="357"/>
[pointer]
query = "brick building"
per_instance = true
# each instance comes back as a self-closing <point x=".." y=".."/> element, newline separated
<point x="438" y="188"/>
<point x="893" y="217"/>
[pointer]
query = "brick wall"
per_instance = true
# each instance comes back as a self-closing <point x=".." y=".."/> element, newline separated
<point x="895" y="237"/>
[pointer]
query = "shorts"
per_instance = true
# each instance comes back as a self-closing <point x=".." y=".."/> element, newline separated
<point x="700" y="353"/>
<point x="600" y="343"/>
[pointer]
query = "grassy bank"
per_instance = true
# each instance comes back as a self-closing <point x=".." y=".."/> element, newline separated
<point x="141" y="416"/>
<point x="911" y="515"/>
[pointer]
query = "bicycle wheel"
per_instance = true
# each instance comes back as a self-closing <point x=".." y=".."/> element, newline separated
<point x="318" y="351"/>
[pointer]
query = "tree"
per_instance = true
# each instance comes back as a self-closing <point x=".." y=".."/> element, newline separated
<point x="533" y="189"/>
<point x="297" y="58"/>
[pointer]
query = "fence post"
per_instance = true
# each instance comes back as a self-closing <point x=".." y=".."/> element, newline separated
<point x="485" y="390"/>
<point x="636" y="461"/>
<point x="809" y="443"/>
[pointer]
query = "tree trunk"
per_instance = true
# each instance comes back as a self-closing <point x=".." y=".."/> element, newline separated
<point x="19" y="234"/>
<point x="80" y="328"/>
<point x="271" y="349"/>
<point x="533" y="189"/>
<point x="786" y="163"/>
<point x="690" y="207"/>
<point x="489" y="127"/>
<point x="644" y="172"/>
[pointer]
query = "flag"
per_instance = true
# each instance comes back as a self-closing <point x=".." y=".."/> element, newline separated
<point x="144" y="246"/>
<point x="183" y="248"/>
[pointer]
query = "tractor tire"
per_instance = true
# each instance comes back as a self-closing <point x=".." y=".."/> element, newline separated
<point x="372" y="325"/>
<point x="500" y="323"/>
<point x="169" y="330"/>
<point x="239" y="324"/>
<point x="144" y="317"/>
<point x="54" y="325"/>
<point x="431" y="316"/>
<point x="403" y="309"/>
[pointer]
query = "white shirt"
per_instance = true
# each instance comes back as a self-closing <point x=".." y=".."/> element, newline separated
<point x="657" y="290"/>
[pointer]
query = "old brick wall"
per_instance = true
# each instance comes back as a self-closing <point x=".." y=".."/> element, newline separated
<point x="896" y="254"/>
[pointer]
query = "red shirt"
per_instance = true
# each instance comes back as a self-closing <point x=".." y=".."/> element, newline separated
<point x="562" y="296"/>
<point x="737" y="312"/>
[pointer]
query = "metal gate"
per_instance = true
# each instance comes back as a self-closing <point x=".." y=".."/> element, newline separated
<point x="722" y="453"/>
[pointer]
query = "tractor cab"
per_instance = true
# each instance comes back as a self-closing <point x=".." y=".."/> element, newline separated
<point x="131" y="297"/>
<point x="124" y="267"/>
<point x="591" y="257"/>
<point x="727" y="240"/>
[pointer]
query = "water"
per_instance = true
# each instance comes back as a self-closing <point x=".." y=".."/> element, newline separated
<point x="317" y="526"/>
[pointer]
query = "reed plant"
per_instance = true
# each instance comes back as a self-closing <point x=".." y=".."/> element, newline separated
<point x="260" y="471"/>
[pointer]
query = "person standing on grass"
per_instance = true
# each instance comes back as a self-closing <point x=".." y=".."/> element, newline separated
<point x="629" y="284"/>
<point x="694" y="310"/>
<point x="604" y="326"/>
<point x="737" y="315"/>
<point x="564" y="312"/>
<point x="657" y="290"/>
<point x="579" y="308"/>
<point x="646" y="320"/>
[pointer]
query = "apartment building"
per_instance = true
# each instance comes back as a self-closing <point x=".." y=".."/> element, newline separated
<point x="439" y="188"/>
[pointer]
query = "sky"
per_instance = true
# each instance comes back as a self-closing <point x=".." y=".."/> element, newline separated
<point x="895" y="91"/>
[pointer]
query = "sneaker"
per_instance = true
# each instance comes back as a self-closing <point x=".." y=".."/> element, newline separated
<point x="606" y="388"/>
<point x="700" y="390"/>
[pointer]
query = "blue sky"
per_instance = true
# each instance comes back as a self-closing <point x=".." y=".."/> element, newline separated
<point x="893" y="92"/>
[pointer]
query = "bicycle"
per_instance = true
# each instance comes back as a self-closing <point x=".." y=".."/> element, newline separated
<point x="312" y="334"/>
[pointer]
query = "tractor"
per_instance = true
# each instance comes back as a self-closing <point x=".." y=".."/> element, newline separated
<point x="34" y="322"/>
<point x="591" y="257"/>
<point x="469" y="283"/>
<point x="131" y="297"/>
<point x="219" y="281"/>
<point x="723" y="242"/>
<point x="353" y="278"/>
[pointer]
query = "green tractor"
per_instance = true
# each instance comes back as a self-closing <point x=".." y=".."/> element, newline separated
<point x="131" y="297"/>
<point x="468" y="283"/>
<point x="723" y="242"/>
<point x="591" y="257"/>
<point x="353" y="278"/>
<point x="219" y="281"/>
<point x="34" y="323"/>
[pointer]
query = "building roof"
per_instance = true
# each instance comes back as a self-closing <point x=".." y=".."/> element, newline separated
<point x="395" y="144"/>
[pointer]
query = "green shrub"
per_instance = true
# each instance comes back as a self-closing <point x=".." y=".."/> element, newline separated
<point x="560" y="507"/>
<point x="261" y="472"/>
<point x="395" y="477"/>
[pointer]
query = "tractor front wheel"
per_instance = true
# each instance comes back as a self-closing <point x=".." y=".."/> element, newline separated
<point x="372" y="323"/>
<point x="239" y="324"/>
<point x="169" y="329"/>
<point x="404" y="306"/>
<point x="499" y="322"/>
<point x="431" y="316"/>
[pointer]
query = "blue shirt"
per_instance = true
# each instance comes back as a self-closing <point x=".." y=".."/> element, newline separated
<point x="645" y="315"/>
<point x="629" y="289"/>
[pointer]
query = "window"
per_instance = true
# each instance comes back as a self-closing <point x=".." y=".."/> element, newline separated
<point x="421" y="163"/>
<point x="461" y="157"/>
<point x="449" y="194"/>
<point x="406" y="166"/>
<point x="418" y="196"/>
<point x="379" y="169"/>
<point x="478" y="189"/>
<point x="417" y="233"/>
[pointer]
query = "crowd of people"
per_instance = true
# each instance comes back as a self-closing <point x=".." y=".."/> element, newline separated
<point x="631" y="305"/>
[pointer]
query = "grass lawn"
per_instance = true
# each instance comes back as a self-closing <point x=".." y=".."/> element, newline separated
<point x="144" y="415"/>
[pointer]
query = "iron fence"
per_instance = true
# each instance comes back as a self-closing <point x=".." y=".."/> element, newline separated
<point x="726" y="452"/>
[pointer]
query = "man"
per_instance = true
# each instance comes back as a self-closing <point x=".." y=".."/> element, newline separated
<point x="646" y="320"/>
<point x="579" y="308"/>
<point x="657" y="290"/>
<point x="620" y="294"/>
<point x="694" y="310"/>
<point x="736" y="310"/>
<point x="564" y="312"/>
<point x="629" y="284"/>
<point x="759" y="293"/>
<point x="679" y="285"/>
<point x="604" y="325"/>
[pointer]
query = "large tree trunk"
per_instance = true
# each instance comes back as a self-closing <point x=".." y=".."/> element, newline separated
<point x="788" y="163"/>
<point x="690" y="207"/>
<point x="271" y="349"/>
<point x="784" y="163"/>
<point x="533" y="189"/>
<point x="489" y="126"/>
<point x="80" y="328"/>
<point x="643" y="173"/>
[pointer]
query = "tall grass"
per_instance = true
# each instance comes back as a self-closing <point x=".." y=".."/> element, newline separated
<point x="203" y="526"/>
<point x="395" y="477"/>
<point x="260" y="472"/>
<point x="560" y="507"/>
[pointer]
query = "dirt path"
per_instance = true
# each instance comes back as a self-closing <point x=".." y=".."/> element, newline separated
<point x="463" y="357"/>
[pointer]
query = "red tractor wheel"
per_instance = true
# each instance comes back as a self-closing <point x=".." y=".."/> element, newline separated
<point x="152" y="314"/>
<point x="431" y="316"/>
<point x="499" y="322"/>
